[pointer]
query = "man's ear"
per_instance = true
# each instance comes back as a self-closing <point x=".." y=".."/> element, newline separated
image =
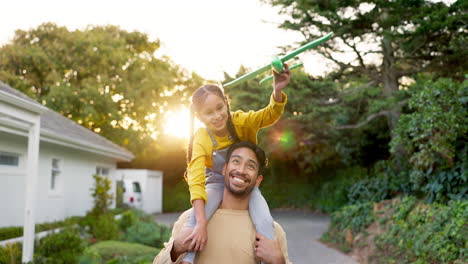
<point x="259" y="180"/>
<point x="224" y="168"/>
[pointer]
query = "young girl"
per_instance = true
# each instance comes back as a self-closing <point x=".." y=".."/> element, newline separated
<point x="207" y="150"/>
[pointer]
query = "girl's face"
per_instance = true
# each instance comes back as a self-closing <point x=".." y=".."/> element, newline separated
<point x="213" y="113"/>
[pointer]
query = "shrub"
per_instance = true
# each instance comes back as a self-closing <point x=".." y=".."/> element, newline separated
<point x="384" y="182"/>
<point x="353" y="218"/>
<point x="427" y="233"/>
<point x="10" y="254"/>
<point x="148" y="233"/>
<point x="406" y="231"/>
<point x="333" y="194"/>
<point x="109" y="250"/>
<point x="104" y="227"/>
<point x="101" y="194"/>
<point x="90" y="256"/>
<point x="63" y="247"/>
<point x="128" y="219"/>
<point x="17" y="231"/>
<point x="10" y="232"/>
<point x="433" y="135"/>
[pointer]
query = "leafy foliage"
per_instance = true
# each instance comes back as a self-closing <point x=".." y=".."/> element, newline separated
<point x="120" y="251"/>
<point x="176" y="197"/>
<point x="427" y="233"/>
<point x="17" y="231"/>
<point x="104" y="78"/>
<point x="63" y="247"/>
<point x="10" y="254"/>
<point x="148" y="233"/>
<point x="385" y="182"/>
<point x="352" y="218"/>
<point x="128" y="219"/>
<point x="102" y="195"/>
<point x="104" y="227"/>
<point x="408" y="230"/>
<point x="433" y="135"/>
<point x="408" y="36"/>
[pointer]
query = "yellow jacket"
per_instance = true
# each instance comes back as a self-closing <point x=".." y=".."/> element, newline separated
<point x="247" y="126"/>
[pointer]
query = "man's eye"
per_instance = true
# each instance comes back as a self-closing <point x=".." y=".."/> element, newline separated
<point x="252" y="167"/>
<point x="235" y="161"/>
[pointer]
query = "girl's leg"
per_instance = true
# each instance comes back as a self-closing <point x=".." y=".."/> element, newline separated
<point x="215" y="196"/>
<point x="260" y="214"/>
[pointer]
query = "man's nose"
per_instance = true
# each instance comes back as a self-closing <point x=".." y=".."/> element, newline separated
<point x="242" y="168"/>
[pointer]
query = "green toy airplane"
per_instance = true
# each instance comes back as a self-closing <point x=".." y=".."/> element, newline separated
<point x="277" y="63"/>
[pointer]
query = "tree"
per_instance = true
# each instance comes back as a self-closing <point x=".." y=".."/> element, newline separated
<point x="306" y="138"/>
<point x="102" y="77"/>
<point x="388" y="40"/>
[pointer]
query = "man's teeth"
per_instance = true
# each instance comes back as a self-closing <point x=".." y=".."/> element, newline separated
<point x="238" y="180"/>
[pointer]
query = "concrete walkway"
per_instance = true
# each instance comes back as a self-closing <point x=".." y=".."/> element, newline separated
<point x="303" y="231"/>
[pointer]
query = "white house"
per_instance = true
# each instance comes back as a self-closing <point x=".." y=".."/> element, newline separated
<point x="46" y="164"/>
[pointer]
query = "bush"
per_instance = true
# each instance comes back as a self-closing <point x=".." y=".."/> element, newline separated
<point x="17" y="231"/>
<point x="404" y="230"/>
<point x="384" y="182"/>
<point x="148" y="233"/>
<point x="128" y="219"/>
<point x="101" y="194"/>
<point x="427" y="233"/>
<point x="90" y="256"/>
<point x="63" y="247"/>
<point x="352" y="218"/>
<point x="105" y="227"/>
<point x="10" y="254"/>
<point x="111" y="250"/>
<point x="433" y="136"/>
<point x="333" y="194"/>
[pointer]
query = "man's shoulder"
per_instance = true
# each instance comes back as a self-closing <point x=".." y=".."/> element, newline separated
<point x="278" y="227"/>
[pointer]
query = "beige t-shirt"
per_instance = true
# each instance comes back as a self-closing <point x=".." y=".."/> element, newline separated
<point x="231" y="238"/>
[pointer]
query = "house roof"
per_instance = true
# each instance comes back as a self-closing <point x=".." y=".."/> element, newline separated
<point x="56" y="128"/>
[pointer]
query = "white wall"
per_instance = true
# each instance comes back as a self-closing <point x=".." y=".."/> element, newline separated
<point x="73" y="196"/>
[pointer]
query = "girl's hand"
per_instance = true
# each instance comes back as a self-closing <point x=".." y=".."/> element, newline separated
<point x="199" y="237"/>
<point x="281" y="79"/>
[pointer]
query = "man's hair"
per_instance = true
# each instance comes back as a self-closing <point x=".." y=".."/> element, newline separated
<point x="259" y="153"/>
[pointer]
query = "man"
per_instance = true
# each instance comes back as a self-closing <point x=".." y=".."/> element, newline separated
<point x="231" y="234"/>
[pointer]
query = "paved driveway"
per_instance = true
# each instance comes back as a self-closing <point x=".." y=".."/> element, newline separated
<point x="303" y="231"/>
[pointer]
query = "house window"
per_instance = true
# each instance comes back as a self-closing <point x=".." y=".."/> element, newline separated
<point x="9" y="159"/>
<point x="55" y="174"/>
<point x="102" y="171"/>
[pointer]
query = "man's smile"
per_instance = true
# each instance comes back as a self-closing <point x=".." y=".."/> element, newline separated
<point x="238" y="179"/>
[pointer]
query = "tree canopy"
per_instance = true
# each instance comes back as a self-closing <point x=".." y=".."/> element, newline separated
<point x="102" y="77"/>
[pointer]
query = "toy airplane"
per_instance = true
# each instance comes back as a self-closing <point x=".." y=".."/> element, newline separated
<point x="277" y="63"/>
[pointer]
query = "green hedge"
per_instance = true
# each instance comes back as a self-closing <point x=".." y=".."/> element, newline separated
<point x="17" y="231"/>
<point x="119" y="251"/>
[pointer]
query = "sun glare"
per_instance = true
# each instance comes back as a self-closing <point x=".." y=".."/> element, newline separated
<point x="177" y="123"/>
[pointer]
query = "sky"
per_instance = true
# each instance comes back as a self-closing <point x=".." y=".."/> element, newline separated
<point x="208" y="37"/>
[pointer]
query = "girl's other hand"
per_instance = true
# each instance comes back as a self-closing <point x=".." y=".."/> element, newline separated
<point x="199" y="237"/>
<point x="281" y="79"/>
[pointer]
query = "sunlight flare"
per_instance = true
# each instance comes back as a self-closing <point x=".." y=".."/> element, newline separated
<point x="177" y="123"/>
